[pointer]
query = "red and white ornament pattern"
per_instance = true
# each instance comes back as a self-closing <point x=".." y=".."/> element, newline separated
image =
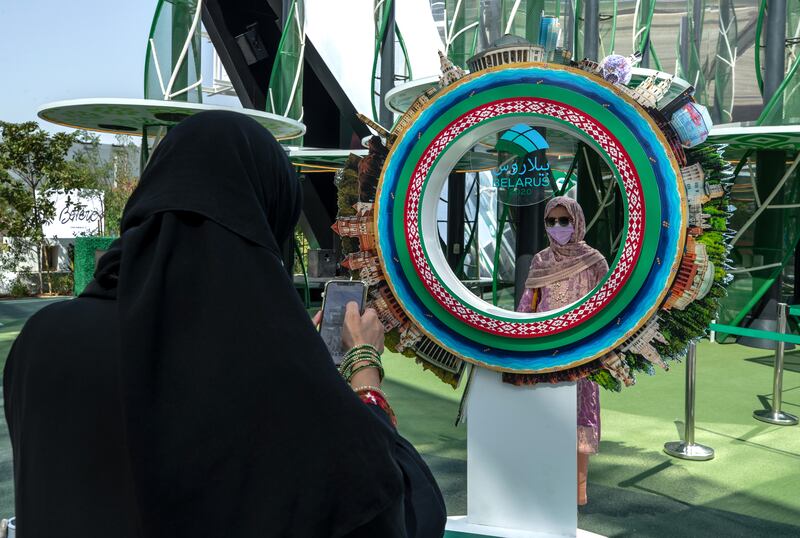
<point x="630" y="252"/>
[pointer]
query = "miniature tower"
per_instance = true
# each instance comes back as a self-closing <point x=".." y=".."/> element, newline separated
<point x="450" y="71"/>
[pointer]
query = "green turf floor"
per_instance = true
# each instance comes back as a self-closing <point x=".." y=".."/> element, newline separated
<point x="751" y="488"/>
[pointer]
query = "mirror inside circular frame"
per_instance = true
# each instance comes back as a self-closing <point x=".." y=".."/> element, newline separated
<point x="491" y="217"/>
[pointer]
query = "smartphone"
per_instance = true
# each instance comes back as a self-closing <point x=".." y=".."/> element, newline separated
<point x="335" y="297"/>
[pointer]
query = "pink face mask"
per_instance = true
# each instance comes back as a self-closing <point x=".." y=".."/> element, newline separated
<point x="561" y="234"/>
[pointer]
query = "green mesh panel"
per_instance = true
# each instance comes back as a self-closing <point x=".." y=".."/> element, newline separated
<point x="381" y="11"/>
<point x="607" y="28"/>
<point x="693" y="70"/>
<point x="642" y="21"/>
<point x="766" y="236"/>
<point x="461" y="30"/>
<point x="172" y="22"/>
<point x="725" y="64"/>
<point x="285" y="93"/>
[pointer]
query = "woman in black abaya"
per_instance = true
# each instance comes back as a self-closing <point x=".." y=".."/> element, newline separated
<point x="186" y="392"/>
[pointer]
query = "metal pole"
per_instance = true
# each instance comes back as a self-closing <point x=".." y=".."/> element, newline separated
<point x="688" y="449"/>
<point x="697" y="23"/>
<point x="569" y="27"/>
<point x="591" y="30"/>
<point x="646" y="44"/>
<point x="387" y="68"/>
<point x="775" y="53"/>
<point x="775" y="415"/>
<point x="683" y="53"/>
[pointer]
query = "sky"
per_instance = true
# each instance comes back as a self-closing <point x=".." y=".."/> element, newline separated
<point x="52" y="50"/>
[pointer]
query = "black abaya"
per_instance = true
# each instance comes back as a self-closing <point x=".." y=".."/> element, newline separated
<point x="186" y="393"/>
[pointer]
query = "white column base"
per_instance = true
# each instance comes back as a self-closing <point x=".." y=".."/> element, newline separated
<point x="522" y="456"/>
<point x="458" y="524"/>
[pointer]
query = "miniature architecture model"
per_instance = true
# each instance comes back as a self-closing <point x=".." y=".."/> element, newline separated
<point x="697" y="190"/>
<point x="409" y="115"/>
<point x="508" y="49"/>
<point x="641" y="343"/>
<point x="695" y="276"/>
<point x="450" y="71"/>
<point x="650" y="91"/>
<point x="360" y="225"/>
<point x="618" y="368"/>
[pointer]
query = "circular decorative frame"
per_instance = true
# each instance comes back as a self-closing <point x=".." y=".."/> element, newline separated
<point x="556" y="97"/>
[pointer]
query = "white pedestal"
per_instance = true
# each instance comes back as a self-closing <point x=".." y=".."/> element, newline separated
<point x="458" y="527"/>
<point x="521" y="459"/>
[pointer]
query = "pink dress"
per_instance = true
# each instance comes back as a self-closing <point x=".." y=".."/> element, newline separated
<point x="557" y="295"/>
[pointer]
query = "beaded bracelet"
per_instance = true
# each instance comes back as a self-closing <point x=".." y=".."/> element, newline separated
<point x="363" y="366"/>
<point x="348" y="362"/>
<point x="364" y="353"/>
<point x="350" y="370"/>
<point x="357" y="353"/>
<point x="369" y="347"/>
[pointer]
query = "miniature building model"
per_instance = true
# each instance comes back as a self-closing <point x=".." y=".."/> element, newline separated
<point x="589" y="66"/>
<point x="372" y="275"/>
<point x="435" y="354"/>
<point x="358" y="260"/>
<point x="618" y="368"/>
<point x="697" y="190"/>
<point x="697" y="218"/>
<point x="360" y="225"/>
<point x="641" y="343"/>
<point x="384" y="303"/>
<point x="509" y="49"/>
<point x="695" y="276"/>
<point x="409" y="337"/>
<point x="409" y="115"/>
<point x="450" y="71"/>
<point x="650" y="91"/>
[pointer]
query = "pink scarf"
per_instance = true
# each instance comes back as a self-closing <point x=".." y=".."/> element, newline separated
<point x="559" y="262"/>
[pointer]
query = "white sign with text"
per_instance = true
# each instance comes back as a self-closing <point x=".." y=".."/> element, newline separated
<point x="76" y="215"/>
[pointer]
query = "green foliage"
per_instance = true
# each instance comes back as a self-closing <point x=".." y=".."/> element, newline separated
<point x="85" y="248"/>
<point x="446" y="376"/>
<point x="62" y="283"/>
<point x="347" y="192"/>
<point x="111" y="182"/>
<point x="603" y="378"/>
<point x="33" y="166"/>
<point x="679" y="327"/>
<point x="19" y="289"/>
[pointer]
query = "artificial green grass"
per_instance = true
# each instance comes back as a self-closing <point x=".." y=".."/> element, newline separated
<point x="751" y="488"/>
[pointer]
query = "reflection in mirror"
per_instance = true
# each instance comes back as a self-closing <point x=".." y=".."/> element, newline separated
<point x="496" y="212"/>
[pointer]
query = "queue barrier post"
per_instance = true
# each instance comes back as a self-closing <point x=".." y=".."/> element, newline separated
<point x="775" y="415"/>
<point x="688" y="449"/>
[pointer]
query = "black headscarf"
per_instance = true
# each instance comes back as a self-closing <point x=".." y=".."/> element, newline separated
<point x="236" y="421"/>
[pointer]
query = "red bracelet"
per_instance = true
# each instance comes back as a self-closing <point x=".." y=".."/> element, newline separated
<point x="373" y="397"/>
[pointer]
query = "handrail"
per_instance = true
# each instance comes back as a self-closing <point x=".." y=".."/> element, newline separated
<point x="756" y="333"/>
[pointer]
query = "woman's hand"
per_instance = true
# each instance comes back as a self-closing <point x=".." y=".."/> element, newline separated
<point x="358" y="329"/>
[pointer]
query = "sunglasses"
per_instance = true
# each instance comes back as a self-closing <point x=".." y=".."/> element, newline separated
<point x="562" y="221"/>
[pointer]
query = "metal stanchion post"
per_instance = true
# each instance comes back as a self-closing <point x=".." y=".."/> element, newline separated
<point x="775" y="415"/>
<point x="688" y="449"/>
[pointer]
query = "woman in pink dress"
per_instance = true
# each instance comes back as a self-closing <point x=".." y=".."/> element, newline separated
<point x="560" y="275"/>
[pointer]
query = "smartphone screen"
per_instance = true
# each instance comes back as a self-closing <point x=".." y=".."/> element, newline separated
<point x="337" y="294"/>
